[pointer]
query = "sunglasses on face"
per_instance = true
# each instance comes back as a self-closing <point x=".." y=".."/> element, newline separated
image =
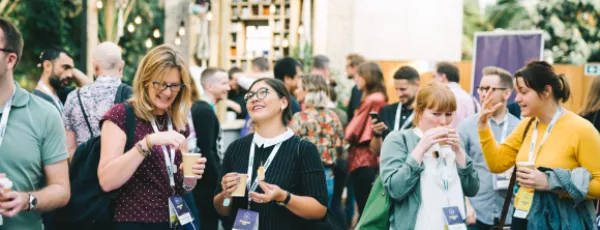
<point x="164" y="86"/>
<point x="260" y="94"/>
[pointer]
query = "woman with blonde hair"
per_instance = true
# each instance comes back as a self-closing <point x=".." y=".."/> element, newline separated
<point x="319" y="124"/>
<point x="425" y="169"/>
<point x="362" y="162"/>
<point x="591" y="109"/>
<point x="146" y="176"/>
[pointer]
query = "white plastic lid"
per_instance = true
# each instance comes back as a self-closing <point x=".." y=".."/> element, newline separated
<point x="6" y="183"/>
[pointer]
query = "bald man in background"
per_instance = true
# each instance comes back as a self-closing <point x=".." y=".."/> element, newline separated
<point x="96" y="98"/>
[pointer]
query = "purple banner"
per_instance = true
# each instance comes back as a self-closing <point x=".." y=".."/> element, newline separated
<point x="507" y="50"/>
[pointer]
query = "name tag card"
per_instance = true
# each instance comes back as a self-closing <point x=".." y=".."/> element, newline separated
<point x="246" y="220"/>
<point x="1" y="221"/>
<point x="502" y="180"/>
<point x="179" y="211"/>
<point x="454" y="220"/>
<point x="523" y="202"/>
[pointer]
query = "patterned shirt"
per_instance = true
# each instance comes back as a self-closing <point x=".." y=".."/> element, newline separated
<point x="322" y="128"/>
<point x="97" y="98"/>
<point x="144" y="197"/>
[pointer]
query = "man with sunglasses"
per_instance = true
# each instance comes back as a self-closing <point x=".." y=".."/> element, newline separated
<point x="483" y="210"/>
<point x="57" y="73"/>
<point x="33" y="155"/>
<point x="215" y="83"/>
<point x="94" y="99"/>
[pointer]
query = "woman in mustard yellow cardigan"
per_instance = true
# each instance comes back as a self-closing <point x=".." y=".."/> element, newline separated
<point x="557" y="139"/>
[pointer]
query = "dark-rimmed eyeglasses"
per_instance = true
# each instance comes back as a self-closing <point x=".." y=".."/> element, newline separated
<point x="486" y="89"/>
<point x="164" y="86"/>
<point x="260" y="94"/>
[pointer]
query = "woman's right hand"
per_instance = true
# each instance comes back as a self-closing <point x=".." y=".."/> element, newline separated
<point x="230" y="182"/>
<point x="430" y="138"/>
<point x="168" y="138"/>
<point x="487" y="111"/>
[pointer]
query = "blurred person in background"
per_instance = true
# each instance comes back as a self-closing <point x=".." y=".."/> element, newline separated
<point x="362" y="161"/>
<point x="591" y="108"/>
<point x="467" y="105"/>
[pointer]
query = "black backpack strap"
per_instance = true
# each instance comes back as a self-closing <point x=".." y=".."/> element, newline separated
<point x="511" y="185"/>
<point x="118" y="97"/>
<point x="85" y="117"/>
<point x="129" y="126"/>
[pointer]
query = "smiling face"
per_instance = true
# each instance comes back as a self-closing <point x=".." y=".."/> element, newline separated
<point x="529" y="100"/>
<point x="263" y="103"/>
<point x="162" y="96"/>
<point x="219" y="86"/>
<point x="406" y="90"/>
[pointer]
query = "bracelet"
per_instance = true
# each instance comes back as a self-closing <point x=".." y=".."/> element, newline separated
<point x="143" y="152"/>
<point x="148" y="143"/>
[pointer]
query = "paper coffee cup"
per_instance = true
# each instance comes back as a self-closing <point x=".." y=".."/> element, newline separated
<point x="240" y="191"/>
<point x="450" y="130"/>
<point x="526" y="164"/>
<point x="6" y="187"/>
<point x="189" y="160"/>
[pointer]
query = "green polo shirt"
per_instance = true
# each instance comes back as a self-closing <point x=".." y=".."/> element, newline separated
<point x="34" y="138"/>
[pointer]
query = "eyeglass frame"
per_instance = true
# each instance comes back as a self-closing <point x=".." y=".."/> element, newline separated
<point x="249" y="95"/>
<point x="156" y="84"/>
<point x="480" y="90"/>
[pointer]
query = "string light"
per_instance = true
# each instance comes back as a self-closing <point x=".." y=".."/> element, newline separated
<point x="130" y="28"/>
<point x="177" y="40"/>
<point x="239" y="27"/>
<point x="148" y="43"/>
<point x="137" y="20"/>
<point x="285" y="43"/>
<point x="209" y="16"/>
<point x="156" y="33"/>
<point x="301" y="29"/>
<point x="99" y="4"/>
<point x="181" y="31"/>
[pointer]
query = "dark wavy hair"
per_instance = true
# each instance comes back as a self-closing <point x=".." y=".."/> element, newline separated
<point x="282" y="92"/>
<point x="538" y="74"/>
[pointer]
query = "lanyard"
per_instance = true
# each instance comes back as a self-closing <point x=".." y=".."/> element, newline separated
<point x="49" y="92"/>
<point x="532" y="153"/>
<point x="504" y="128"/>
<point x="397" y="121"/>
<point x="252" y="185"/>
<point x="4" y="119"/>
<point x="169" y="160"/>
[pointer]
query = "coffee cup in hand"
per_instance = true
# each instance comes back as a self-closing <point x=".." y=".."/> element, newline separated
<point x="189" y="160"/>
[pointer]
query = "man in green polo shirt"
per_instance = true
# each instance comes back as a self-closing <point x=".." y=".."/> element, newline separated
<point x="33" y="154"/>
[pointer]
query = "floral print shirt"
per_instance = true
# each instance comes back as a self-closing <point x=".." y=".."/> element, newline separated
<point x="322" y="128"/>
<point x="97" y="98"/>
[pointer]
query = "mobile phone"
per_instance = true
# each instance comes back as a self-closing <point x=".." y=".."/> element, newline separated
<point x="375" y="115"/>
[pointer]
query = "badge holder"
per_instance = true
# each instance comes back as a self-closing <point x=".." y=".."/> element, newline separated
<point x="502" y="180"/>
<point x="1" y="221"/>
<point x="523" y="202"/>
<point x="179" y="212"/>
<point x="454" y="220"/>
<point x="246" y="220"/>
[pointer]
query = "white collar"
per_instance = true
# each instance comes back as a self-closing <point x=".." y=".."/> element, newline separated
<point x="453" y="85"/>
<point x="268" y="142"/>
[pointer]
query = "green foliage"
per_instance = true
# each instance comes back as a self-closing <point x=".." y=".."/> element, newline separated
<point x="508" y="14"/>
<point x="304" y="56"/>
<point x="133" y="44"/>
<point x="45" y="23"/>
<point x="473" y="22"/>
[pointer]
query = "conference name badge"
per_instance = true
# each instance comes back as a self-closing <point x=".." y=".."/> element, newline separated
<point x="523" y="202"/>
<point x="454" y="220"/>
<point x="179" y="212"/>
<point x="502" y="180"/>
<point x="246" y="220"/>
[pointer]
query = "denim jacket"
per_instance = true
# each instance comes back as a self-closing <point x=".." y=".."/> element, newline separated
<point x="549" y="211"/>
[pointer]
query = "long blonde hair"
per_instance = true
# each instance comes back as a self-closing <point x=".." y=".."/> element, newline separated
<point x="592" y="101"/>
<point x="154" y="67"/>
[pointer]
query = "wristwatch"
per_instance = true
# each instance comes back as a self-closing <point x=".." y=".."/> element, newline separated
<point x="286" y="201"/>
<point x="32" y="201"/>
